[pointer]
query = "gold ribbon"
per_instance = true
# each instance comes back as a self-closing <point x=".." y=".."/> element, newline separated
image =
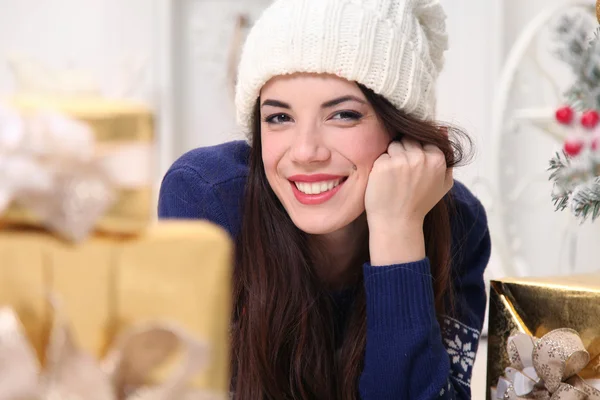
<point x="71" y="374"/>
<point x="546" y="368"/>
<point x="51" y="165"/>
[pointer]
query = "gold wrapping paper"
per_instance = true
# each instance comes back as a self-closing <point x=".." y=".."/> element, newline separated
<point x="113" y="122"/>
<point x="536" y="306"/>
<point x="175" y="271"/>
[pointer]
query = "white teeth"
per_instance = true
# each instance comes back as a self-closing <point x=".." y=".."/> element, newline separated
<point x="317" y="187"/>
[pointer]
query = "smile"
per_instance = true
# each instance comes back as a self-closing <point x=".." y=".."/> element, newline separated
<point x="316" y="189"/>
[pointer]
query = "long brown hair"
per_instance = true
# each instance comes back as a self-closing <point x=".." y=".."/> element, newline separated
<point x="283" y="334"/>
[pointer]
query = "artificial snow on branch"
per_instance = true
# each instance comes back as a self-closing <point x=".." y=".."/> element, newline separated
<point x="576" y="170"/>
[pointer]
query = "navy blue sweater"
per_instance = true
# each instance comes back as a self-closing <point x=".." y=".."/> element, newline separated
<point x="409" y="354"/>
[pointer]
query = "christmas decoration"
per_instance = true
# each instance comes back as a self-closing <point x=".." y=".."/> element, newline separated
<point x="576" y="170"/>
<point x="537" y="326"/>
<point x="589" y="119"/>
<point x="573" y="147"/>
<point x="582" y="55"/>
<point x="546" y="368"/>
<point x="564" y="115"/>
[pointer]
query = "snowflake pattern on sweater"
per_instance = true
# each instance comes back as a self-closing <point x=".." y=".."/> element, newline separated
<point x="461" y="344"/>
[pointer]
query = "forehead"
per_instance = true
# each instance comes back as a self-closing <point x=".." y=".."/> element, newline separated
<point x="303" y="86"/>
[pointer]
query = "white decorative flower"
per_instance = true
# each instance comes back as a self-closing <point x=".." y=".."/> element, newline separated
<point x="49" y="165"/>
<point x="50" y="134"/>
<point x="460" y="353"/>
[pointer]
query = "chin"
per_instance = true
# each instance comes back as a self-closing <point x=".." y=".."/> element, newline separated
<point x="316" y="225"/>
<point x="317" y="229"/>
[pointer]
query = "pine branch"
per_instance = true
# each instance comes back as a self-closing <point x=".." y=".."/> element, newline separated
<point x="582" y="54"/>
<point x="585" y="200"/>
<point x="571" y="34"/>
<point x="558" y="164"/>
<point x="574" y="188"/>
<point x="564" y="173"/>
<point x="577" y="180"/>
<point x="587" y="85"/>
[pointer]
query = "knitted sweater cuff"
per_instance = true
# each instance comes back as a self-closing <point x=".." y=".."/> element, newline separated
<point x="399" y="297"/>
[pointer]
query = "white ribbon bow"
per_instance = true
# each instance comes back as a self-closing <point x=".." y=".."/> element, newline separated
<point x="51" y="165"/>
<point x="71" y="374"/>
<point x="546" y="368"/>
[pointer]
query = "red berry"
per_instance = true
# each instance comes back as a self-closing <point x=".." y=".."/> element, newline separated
<point x="590" y="119"/>
<point x="565" y="115"/>
<point x="573" y="146"/>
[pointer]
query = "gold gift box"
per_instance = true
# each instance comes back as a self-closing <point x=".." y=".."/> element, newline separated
<point x="113" y="122"/>
<point x="536" y="306"/>
<point x="177" y="272"/>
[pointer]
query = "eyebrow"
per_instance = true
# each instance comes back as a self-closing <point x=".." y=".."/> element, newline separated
<point x="276" y="103"/>
<point x="328" y="104"/>
<point x="340" y="100"/>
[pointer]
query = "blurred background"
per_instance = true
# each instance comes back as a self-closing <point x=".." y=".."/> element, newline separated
<point x="502" y="83"/>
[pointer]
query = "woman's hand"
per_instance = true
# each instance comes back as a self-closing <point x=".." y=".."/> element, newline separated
<point x="404" y="185"/>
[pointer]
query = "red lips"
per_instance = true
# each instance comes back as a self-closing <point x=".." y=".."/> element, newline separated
<point x="315" y="178"/>
<point x="315" y="199"/>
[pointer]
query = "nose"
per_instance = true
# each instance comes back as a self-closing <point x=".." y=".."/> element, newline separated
<point x="308" y="146"/>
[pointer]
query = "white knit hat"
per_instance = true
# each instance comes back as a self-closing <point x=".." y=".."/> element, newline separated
<point x="394" y="47"/>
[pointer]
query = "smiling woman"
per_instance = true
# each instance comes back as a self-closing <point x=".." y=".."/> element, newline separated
<point x="317" y="132"/>
<point x="359" y="260"/>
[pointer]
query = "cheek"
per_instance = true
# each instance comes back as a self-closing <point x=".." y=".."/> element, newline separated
<point x="273" y="150"/>
<point x="364" y="145"/>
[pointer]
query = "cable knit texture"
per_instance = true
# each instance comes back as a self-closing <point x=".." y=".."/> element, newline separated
<point x="394" y="47"/>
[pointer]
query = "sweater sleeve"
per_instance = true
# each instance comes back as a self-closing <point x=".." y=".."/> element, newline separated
<point x="184" y="195"/>
<point x="409" y="354"/>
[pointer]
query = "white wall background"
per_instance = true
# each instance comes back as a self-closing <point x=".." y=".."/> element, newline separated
<point x="107" y="37"/>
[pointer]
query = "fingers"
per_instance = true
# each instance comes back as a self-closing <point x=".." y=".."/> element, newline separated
<point x="417" y="152"/>
<point x="431" y="148"/>
<point x="381" y="159"/>
<point x="413" y="148"/>
<point x="405" y="145"/>
<point x="428" y="153"/>
<point x="396" y="149"/>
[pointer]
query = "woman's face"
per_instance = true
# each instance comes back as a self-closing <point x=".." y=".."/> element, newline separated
<point x="320" y="138"/>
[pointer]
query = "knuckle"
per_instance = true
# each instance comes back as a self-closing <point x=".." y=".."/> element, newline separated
<point x="399" y="162"/>
<point x="417" y="159"/>
<point x="394" y="146"/>
<point x="438" y="160"/>
<point x="380" y="162"/>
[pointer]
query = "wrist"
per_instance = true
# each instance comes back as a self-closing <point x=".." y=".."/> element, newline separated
<point x="395" y="226"/>
<point x="389" y="245"/>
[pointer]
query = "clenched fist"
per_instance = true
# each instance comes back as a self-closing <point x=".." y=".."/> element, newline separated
<point x="404" y="185"/>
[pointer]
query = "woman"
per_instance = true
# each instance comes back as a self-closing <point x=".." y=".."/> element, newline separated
<point x="359" y="261"/>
